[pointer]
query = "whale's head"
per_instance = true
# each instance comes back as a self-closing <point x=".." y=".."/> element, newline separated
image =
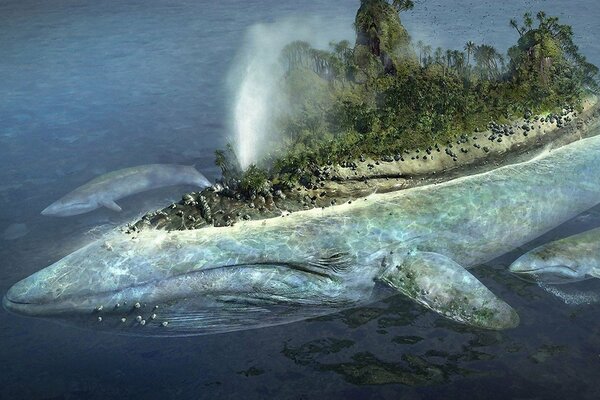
<point x="159" y="287"/>
<point x="540" y="265"/>
<point x="68" y="206"/>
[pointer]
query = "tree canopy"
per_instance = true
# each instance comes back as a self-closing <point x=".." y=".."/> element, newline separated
<point x="386" y="93"/>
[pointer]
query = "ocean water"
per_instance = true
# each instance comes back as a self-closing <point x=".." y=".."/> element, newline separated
<point x="88" y="87"/>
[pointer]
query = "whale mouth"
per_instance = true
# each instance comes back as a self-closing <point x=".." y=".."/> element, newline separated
<point x="549" y="274"/>
<point x="19" y="307"/>
<point x="24" y="306"/>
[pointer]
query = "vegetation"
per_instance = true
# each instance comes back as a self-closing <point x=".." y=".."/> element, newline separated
<point x="387" y="94"/>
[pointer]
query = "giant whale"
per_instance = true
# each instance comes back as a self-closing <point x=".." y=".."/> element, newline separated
<point x="419" y="242"/>
<point x="104" y="190"/>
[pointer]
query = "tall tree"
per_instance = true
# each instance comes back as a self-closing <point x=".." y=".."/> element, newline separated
<point x="439" y="53"/>
<point x="459" y="61"/>
<point x="469" y="48"/>
<point x="515" y="24"/>
<point x="426" y="55"/>
<point x="528" y="21"/>
<point x="487" y="58"/>
<point x="448" y="58"/>
<point x="420" y="45"/>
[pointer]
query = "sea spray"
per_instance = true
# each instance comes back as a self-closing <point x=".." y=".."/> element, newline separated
<point x="254" y="78"/>
<point x="575" y="297"/>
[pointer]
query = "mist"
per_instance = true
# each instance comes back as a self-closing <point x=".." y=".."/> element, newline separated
<point x="253" y="79"/>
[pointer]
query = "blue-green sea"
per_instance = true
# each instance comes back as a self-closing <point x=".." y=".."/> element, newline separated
<point x="87" y="87"/>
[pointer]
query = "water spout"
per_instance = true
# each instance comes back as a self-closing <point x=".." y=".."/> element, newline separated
<point x="256" y="76"/>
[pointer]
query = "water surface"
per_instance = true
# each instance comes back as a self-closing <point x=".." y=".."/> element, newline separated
<point x="88" y="87"/>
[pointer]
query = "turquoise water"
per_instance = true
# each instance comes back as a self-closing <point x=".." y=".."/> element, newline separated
<point x="89" y="87"/>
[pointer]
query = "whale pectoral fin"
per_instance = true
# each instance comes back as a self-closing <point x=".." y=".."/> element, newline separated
<point x="440" y="284"/>
<point x="111" y="205"/>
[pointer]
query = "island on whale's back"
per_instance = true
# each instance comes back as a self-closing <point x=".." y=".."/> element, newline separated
<point x="389" y="114"/>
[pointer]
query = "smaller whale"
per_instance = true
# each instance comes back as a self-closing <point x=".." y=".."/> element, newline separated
<point x="571" y="259"/>
<point x="104" y="190"/>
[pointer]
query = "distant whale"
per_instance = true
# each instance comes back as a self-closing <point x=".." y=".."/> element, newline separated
<point x="570" y="259"/>
<point x="106" y="189"/>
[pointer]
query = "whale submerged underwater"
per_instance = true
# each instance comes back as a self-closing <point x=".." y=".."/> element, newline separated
<point x="419" y="242"/>
<point x="104" y="190"/>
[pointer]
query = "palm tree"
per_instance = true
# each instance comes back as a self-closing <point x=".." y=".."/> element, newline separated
<point x="527" y="20"/>
<point x="403" y="5"/>
<point x="515" y="24"/>
<point x="420" y="47"/>
<point x="426" y="55"/>
<point x="541" y="16"/>
<point x="438" y="55"/>
<point x="487" y="58"/>
<point x="459" y="61"/>
<point x="469" y="48"/>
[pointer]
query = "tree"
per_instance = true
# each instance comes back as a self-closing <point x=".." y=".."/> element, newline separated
<point x="469" y="48"/>
<point x="380" y="37"/>
<point x="426" y="55"/>
<point x="549" y="50"/>
<point x="541" y="16"/>
<point x="439" y="53"/>
<point x="420" y="45"/>
<point x="459" y="61"/>
<point x="448" y="58"/>
<point x="295" y="55"/>
<point x="527" y="21"/>
<point x="403" y="5"/>
<point x="513" y="22"/>
<point x="487" y="58"/>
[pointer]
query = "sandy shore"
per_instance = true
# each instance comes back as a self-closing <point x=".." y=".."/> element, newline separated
<point x="474" y="153"/>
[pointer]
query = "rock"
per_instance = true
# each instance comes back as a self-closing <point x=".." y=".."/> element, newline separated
<point x="188" y="200"/>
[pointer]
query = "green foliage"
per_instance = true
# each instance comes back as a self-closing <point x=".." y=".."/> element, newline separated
<point x="546" y="59"/>
<point x="349" y="102"/>
<point x="254" y="181"/>
<point x="380" y="36"/>
<point x="227" y="161"/>
<point x="403" y="5"/>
